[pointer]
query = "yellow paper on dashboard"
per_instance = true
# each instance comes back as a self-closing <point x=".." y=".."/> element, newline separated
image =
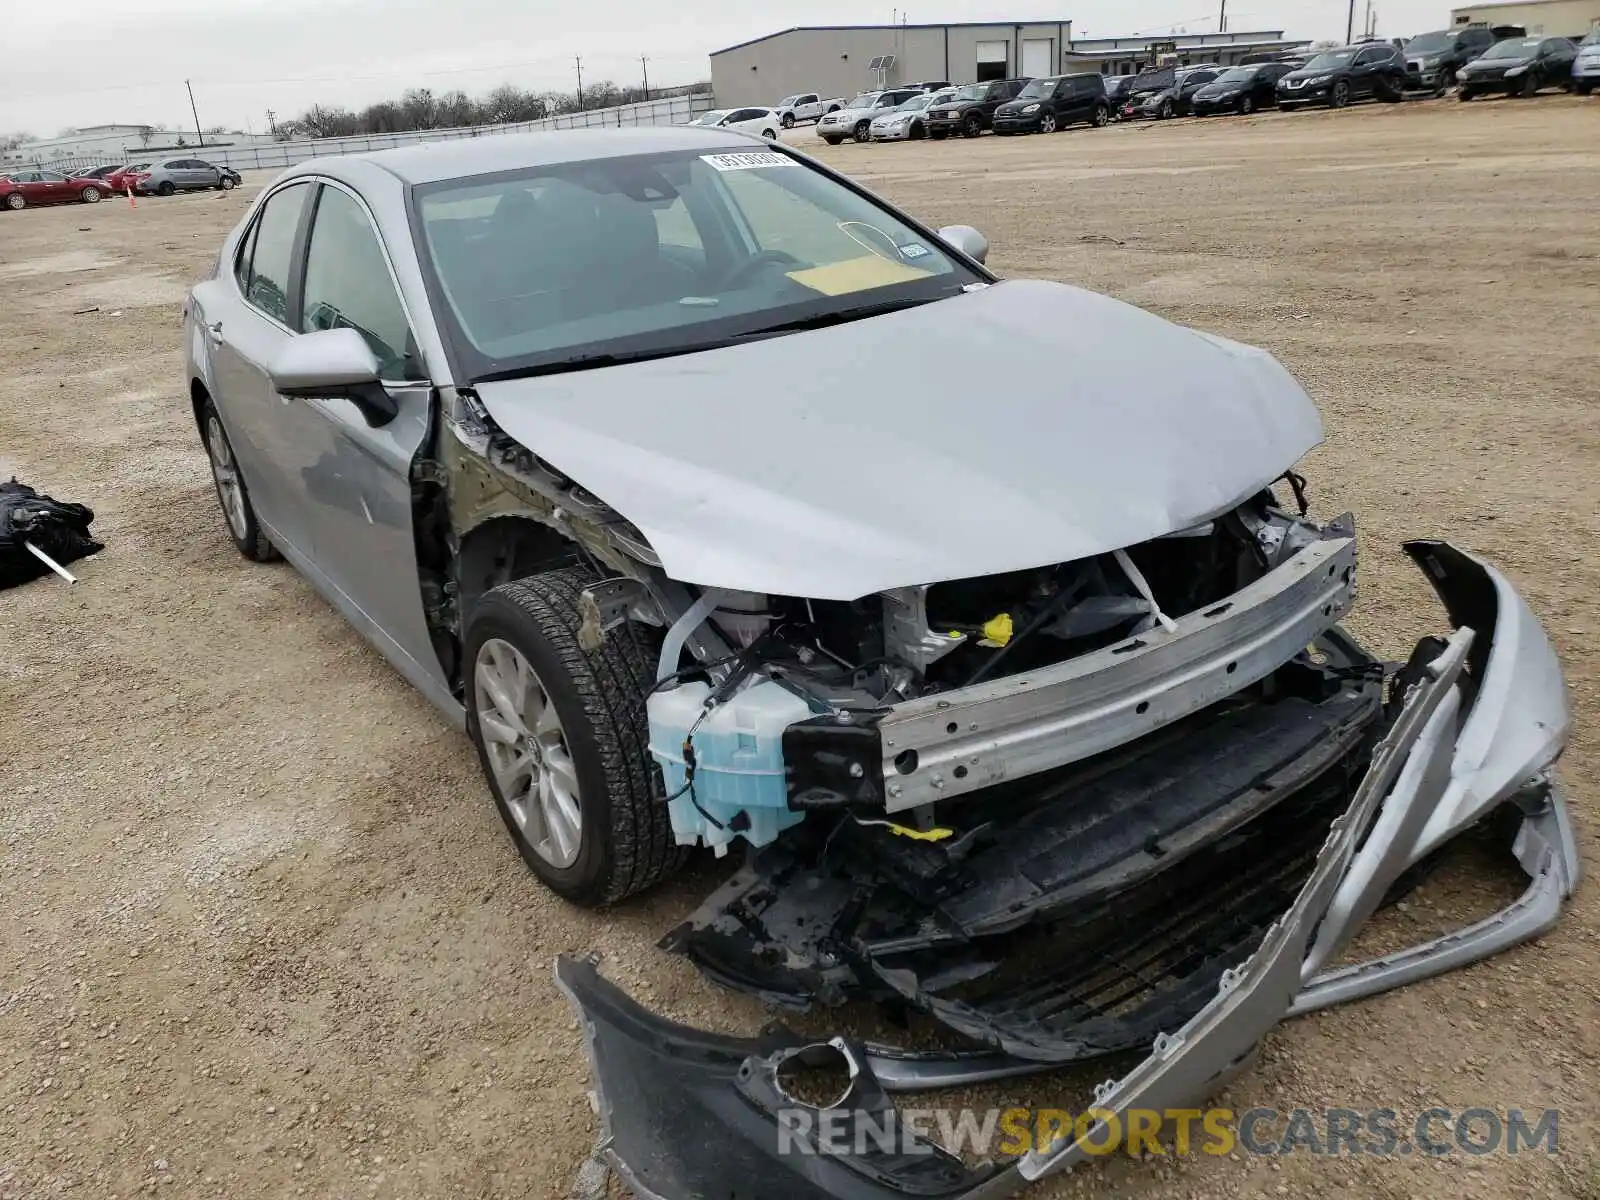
<point x="856" y="275"/>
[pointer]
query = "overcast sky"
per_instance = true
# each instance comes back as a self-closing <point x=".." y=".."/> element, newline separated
<point x="92" y="62"/>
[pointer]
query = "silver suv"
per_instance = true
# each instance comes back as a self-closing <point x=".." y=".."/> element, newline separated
<point x="182" y="175"/>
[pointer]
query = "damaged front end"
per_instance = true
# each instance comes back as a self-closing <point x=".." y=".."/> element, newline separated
<point x="1182" y="891"/>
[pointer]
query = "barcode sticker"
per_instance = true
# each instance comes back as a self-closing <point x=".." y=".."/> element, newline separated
<point x="753" y="161"/>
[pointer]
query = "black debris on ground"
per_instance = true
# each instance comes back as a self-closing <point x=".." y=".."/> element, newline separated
<point x="60" y="530"/>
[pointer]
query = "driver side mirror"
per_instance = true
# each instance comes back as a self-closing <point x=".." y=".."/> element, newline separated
<point x="967" y="240"/>
<point x="333" y="364"/>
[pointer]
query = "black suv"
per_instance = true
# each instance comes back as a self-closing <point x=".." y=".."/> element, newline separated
<point x="972" y="111"/>
<point x="1053" y="103"/>
<point x="1336" y="77"/>
<point x="1433" y="59"/>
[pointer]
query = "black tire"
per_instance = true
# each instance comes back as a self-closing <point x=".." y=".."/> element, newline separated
<point x="770" y="134"/>
<point x="862" y="132"/>
<point x="165" y="188"/>
<point x="833" y="141"/>
<point x="1582" y="88"/>
<point x="16" y="202"/>
<point x="918" y="131"/>
<point x="788" y="120"/>
<point x="939" y="135"/>
<point x="1529" y="87"/>
<point x="90" y="195"/>
<point x="1164" y="113"/>
<point x="1465" y="94"/>
<point x="1047" y="123"/>
<point x="1447" y="80"/>
<point x="1247" y="105"/>
<point x="626" y="843"/>
<point x="972" y="126"/>
<point x="1340" y="97"/>
<point x="242" y="525"/>
<point x="227" y="184"/>
<point x="1102" y="117"/>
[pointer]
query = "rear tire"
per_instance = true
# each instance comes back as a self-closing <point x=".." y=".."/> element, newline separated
<point x="166" y="188"/>
<point x="233" y="495"/>
<point x="624" y="834"/>
<point x="770" y="134"/>
<point x="1529" y="87"/>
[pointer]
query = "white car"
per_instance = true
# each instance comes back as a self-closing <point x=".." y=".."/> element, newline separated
<point x="905" y="123"/>
<point x="807" y="106"/>
<point x="855" y="119"/>
<point x="747" y="120"/>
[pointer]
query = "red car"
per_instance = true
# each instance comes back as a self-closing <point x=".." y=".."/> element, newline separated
<point x="124" y="178"/>
<point x="19" y="189"/>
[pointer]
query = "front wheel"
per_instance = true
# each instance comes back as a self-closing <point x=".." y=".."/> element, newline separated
<point x="1341" y="95"/>
<point x="1165" y="112"/>
<point x="1102" y="118"/>
<point x="918" y="132"/>
<point x="227" y="183"/>
<point x="1530" y="86"/>
<point x="563" y="742"/>
<point x="90" y="195"/>
<point x="165" y="188"/>
<point x="788" y="120"/>
<point x="1247" y="105"/>
<point x="232" y="494"/>
<point x="863" y="131"/>
<point x="972" y="127"/>
<point x="1047" y="123"/>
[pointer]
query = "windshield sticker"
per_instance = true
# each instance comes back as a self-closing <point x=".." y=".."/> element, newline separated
<point x="856" y="275"/>
<point x="754" y="160"/>
<point x="913" y="250"/>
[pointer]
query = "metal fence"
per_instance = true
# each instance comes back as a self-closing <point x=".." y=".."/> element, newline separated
<point x="669" y="110"/>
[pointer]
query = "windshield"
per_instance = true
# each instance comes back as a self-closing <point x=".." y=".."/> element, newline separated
<point x="1515" y="48"/>
<point x="712" y="117"/>
<point x="539" y="270"/>
<point x="915" y="104"/>
<point x="788" y="100"/>
<point x="1038" y="89"/>
<point x="1237" y="75"/>
<point x="1330" y="60"/>
<point x="973" y="91"/>
<point x="1431" y="43"/>
<point x="864" y="100"/>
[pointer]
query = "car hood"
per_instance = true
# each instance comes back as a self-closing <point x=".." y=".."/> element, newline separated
<point x="1218" y="89"/>
<point x="1019" y="425"/>
<point x="1496" y="64"/>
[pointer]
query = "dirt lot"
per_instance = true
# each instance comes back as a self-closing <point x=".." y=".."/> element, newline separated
<point x="264" y="934"/>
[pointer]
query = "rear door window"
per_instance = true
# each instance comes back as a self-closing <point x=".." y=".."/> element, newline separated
<point x="266" y="283"/>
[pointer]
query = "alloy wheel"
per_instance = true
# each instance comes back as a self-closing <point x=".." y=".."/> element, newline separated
<point x="230" y="491"/>
<point x="528" y="752"/>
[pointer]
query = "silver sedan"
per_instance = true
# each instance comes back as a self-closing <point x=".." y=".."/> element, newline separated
<point x="726" y="506"/>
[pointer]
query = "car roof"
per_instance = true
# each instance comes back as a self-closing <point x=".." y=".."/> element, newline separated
<point x="460" y="158"/>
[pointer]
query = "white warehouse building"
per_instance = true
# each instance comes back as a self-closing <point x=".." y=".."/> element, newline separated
<point x="119" y="143"/>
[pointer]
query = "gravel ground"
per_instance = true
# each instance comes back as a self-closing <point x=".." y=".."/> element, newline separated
<point x="264" y="934"/>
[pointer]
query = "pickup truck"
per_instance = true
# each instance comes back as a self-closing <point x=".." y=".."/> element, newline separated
<point x="809" y="106"/>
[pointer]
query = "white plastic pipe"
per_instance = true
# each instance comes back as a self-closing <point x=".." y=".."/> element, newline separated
<point x="51" y="563"/>
<point x="678" y="635"/>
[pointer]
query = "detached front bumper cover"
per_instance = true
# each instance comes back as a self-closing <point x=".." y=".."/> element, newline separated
<point x="688" y="1114"/>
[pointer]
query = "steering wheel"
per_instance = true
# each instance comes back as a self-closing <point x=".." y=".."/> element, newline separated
<point x="740" y="274"/>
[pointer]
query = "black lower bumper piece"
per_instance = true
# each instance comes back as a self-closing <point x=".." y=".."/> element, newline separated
<point x="688" y="1114"/>
<point x="1074" y="916"/>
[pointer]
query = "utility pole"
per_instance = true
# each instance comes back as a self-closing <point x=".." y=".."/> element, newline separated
<point x="644" y="65"/>
<point x="1222" y="19"/>
<point x="272" y="123"/>
<point x="1350" y="25"/>
<point x="198" y="134"/>
<point x="579" y="61"/>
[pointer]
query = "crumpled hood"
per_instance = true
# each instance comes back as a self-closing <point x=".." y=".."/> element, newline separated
<point x="1023" y="424"/>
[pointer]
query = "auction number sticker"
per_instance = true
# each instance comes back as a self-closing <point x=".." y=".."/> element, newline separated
<point x="753" y="161"/>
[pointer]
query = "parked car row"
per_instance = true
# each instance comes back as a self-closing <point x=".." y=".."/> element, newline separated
<point x="31" y="188"/>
